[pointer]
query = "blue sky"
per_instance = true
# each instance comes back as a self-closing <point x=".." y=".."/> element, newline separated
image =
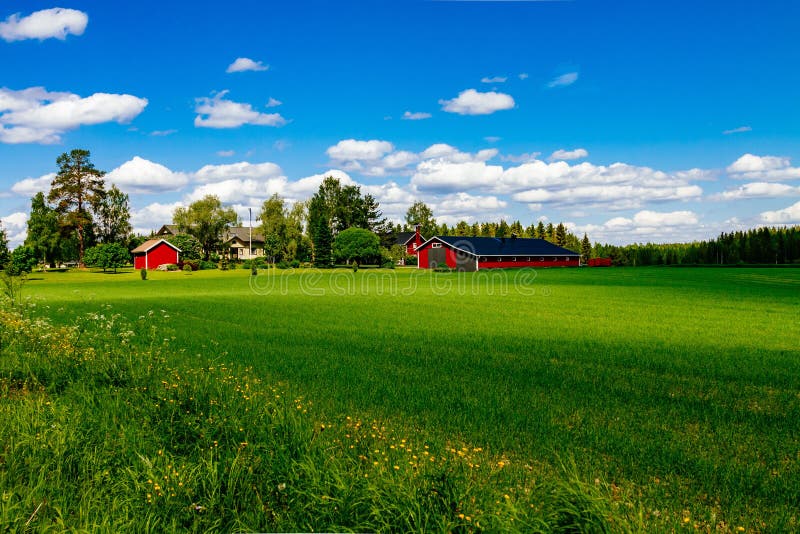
<point x="631" y="121"/>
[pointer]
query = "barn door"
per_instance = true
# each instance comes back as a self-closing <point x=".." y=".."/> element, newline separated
<point x="437" y="257"/>
<point x="465" y="262"/>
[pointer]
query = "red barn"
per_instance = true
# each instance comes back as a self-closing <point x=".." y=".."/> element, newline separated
<point x="475" y="253"/>
<point x="154" y="252"/>
<point x="410" y="240"/>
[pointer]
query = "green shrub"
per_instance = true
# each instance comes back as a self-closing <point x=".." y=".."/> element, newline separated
<point x="295" y="264"/>
<point x="283" y="264"/>
<point x="206" y="265"/>
<point x="143" y="273"/>
<point x="187" y="268"/>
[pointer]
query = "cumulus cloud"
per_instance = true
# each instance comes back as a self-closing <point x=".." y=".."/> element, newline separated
<point x="563" y="80"/>
<point x="163" y="133"/>
<point x="758" y="190"/>
<point x="239" y="170"/>
<point x="522" y="76"/>
<point x="16" y="227"/>
<point x="140" y="175"/>
<point x="617" y="186"/>
<point x="494" y="79"/>
<point x="217" y="112"/>
<point x="371" y="158"/>
<point x="30" y="186"/>
<point x="561" y="154"/>
<point x="416" y="116"/>
<point x="740" y="129"/>
<point x="35" y="115"/>
<point x="273" y="103"/>
<point x="57" y="23"/>
<point x="243" y="64"/>
<point x="153" y="216"/>
<point x="790" y="215"/>
<point x="646" y="225"/>
<point x="472" y="102"/>
<point x="763" y="168"/>
<point x="225" y="153"/>
<point x="461" y="203"/>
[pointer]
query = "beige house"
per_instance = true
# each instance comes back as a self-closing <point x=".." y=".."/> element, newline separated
<point x="236" y="240"/>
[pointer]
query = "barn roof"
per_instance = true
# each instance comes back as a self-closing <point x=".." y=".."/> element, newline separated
<point x="499" y="246"/>
<point x="151" y="244"/>
<point x="402" y="238"/>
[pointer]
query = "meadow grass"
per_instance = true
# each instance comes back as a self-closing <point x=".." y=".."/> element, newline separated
<point x="672" y="395"/>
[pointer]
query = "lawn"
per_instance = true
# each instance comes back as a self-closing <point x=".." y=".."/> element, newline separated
<point x="678" y="386"/>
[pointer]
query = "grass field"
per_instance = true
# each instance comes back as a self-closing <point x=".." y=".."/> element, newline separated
<point x="676" y="387"/>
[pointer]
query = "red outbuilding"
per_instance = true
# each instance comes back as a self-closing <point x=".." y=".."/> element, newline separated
<point x="154" y="252"/>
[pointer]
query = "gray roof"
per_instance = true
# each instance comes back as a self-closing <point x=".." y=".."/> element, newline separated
<point x="243" y="233"/>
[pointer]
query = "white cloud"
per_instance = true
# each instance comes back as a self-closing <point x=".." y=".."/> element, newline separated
<point x="35" y="115"/>
<point x="758" y="190"/>
<point x="371" y="158"/>
<point x="57" y="22"/>
<point x="520" y="158"/>
<point x="561" y="154"/>
<point x="243" y="64"/>
<point x="492" y="138"/>
<point x="522" y="76"/>
<point x="494" y="79"/>
<point x="563" y="80"/>
<point x="225" y="153"/>
<point x="216" y="112"/>
<point x="461" y="204"/>
<point x="153" y="216"/>
<point x="163" y="133"/>
<point x="30" y="186"/>
<point x="740" y="129"/>
<point x="139" y="175"/>
<point x="273" y="103"/>
<point x="763" y="168"/>
<point x="790" y="215"/>
<point x="617" y="186"/>
<point x="239" y="170"/>
<point x="472" y="102"/>
<point x="416" y="116"/>
<point x="16" y="227"/>
<point x="351" y="149"/>
<point x="652" y="226"/>
<point x="306" y="187"/>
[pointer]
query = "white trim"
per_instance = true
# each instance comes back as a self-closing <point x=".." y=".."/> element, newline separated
<point x="437" y="238"/>
<point x="154" y="245"/>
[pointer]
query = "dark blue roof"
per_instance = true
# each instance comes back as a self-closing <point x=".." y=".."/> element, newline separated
<point x="509" y="246"/>
<point x="401" y="238"/>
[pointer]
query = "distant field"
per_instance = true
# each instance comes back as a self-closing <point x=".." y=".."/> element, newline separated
<point x="681" y="385"/>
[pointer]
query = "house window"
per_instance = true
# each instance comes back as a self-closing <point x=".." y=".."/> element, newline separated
<point x="515" y="259"/>
<point x="436" y="245"/>
<point x="541" y="259"/>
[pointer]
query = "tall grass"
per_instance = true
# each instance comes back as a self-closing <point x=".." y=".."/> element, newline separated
<point x="101" y="433"/>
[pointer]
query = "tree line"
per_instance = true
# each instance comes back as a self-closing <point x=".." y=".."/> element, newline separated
<point x="765" y="245"/>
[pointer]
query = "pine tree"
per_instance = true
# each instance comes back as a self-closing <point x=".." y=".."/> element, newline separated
<point x="540" y="231"/>
<point x="323" y="243"/>
<point x="586" y="248"/>
<point x="77" y="191"/>
<point x="561" y="235"/>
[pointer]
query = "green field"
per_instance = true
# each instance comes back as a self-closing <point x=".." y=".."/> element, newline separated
<point x="676" y="387"/>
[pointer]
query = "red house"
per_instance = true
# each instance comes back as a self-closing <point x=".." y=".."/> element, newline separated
<point x="410" y="240"/>
<point x="154" y="252"/>
<point x="475" y="253"/>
